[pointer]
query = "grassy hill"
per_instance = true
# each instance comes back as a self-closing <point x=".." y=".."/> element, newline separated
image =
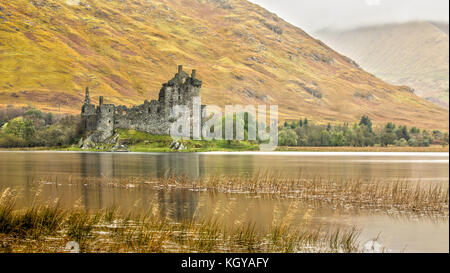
<point x="413" y="54"/>
<point x="124" y="49"/>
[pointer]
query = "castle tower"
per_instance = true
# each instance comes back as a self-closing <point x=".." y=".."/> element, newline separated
<point x="88" y="114"/>
<point x="87" y="99"/>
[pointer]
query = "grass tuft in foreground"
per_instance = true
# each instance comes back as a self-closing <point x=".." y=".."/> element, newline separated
<point x="49" y="229"/>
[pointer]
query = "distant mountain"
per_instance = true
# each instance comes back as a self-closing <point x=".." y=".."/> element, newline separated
<point x="415" y="54"/>
<point x="441" y="26"/>
<point x="125" y="49"/>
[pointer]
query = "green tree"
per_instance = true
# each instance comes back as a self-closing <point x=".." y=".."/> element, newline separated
<point x="365" y="120"/>
<point x="49" y="119"/>
<point x="403" y="132"/>
<point x="412" y="142"/>
<point x="390" y="127"/>
<point x="401" y="142"/>
<point x="338" y="139"/>
<point x="20" y="128"/>
<point x="387" y="138"/>
<point x="445" y="140"/>
<point x="325" y="138"/>
<point x="414" y="131"/>
<point x="287" y="137"/>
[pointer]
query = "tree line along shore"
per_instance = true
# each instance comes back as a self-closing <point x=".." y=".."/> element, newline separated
<point x="31" y="129"/>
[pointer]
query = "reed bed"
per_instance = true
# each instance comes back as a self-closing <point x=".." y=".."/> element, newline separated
<point x="48" y="228"/>
<point x="399" y="195"/>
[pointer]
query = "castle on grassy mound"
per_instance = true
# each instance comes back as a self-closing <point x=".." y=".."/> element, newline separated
<point x="153" y="117"/>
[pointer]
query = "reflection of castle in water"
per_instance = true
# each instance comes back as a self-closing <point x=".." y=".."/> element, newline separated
<point x="177" y="205"/>
<point x="149" y="166"/>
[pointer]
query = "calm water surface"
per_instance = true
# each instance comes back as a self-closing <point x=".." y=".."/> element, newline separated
<point x="412" y="234"/>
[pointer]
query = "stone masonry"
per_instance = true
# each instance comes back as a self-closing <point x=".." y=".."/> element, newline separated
<point x="153" y="117"/>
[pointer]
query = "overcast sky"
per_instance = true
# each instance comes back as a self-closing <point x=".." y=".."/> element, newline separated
<point x="312" y="15"/>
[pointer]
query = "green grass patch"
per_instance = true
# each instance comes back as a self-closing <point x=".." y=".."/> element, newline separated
<point x="143" y="142"/>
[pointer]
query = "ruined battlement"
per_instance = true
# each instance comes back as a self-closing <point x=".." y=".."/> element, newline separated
<point x="152" y="116"/>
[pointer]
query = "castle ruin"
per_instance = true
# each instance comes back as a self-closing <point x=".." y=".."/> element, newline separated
<point x="153" y="117"/>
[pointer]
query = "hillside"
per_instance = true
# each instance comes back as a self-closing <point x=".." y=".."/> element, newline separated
<point x="414" y="54"/>
<point x="442" y="26"/>
<point x="124" y="50"/>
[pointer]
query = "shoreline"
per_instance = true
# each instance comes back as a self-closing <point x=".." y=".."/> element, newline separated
<point x="431" y="149"/>
<point x="287" y="150"/>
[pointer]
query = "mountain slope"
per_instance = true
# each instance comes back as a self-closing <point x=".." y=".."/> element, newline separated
<point x="124" y="49"/>
<point x="442" y="26"/>
<point x="414" y="54"/>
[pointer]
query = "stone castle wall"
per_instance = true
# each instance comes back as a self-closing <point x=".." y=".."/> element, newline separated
<point x="152" y="117"/>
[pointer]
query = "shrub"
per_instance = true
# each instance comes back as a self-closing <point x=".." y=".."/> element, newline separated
<point x="412" y="142"/>
<point x="287" y="137"/>
<point x="401" y="142"/>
